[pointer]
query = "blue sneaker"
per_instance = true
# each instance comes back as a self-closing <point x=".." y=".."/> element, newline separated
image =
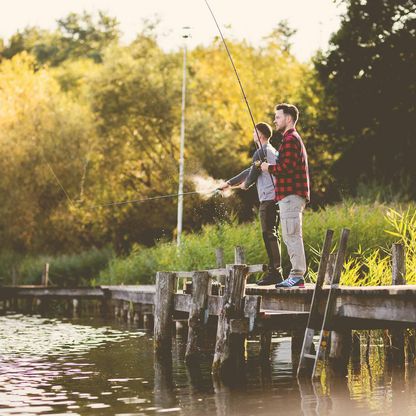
<point x="291" y="281"/>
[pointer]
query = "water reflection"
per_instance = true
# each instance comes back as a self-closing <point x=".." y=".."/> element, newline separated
<point x="51" y="366"/>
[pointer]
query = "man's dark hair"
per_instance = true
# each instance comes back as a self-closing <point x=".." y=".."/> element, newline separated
<point x="289" y="109"/>
<point x="265" y="130"/>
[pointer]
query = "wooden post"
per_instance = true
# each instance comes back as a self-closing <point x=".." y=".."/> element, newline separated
<point x="341" y="341"/>
<point x="106" y="303"/>
<point x="229" y="348"/>
<point x="14" y="276"/>
<point x="265" y="345"/>
<point x="163" y="382"/>
<point x="197" y="313"/>
<point x="356" y="353"/>
<point x="296" y="347"/>
<point x="399" y="265"/>
<point x="411" y="346"/>
<point x="75" y="308"/>
<point x="219" y="256"/>
<point x="239" y="255"/>
<point x="45" y="275"/>
<point x="164" y="304"/>
<point x="148" y="322"/>
<point x="395" y="351"/>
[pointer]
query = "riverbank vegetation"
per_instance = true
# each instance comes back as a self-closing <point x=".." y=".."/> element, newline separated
<point x="374" y="228"/>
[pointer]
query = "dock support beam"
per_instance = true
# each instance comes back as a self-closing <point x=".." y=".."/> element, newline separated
<point x="339" y="356"/>
<point x="197" y="314"/>
<point x="395" y="348"/>
<point x="164" y="305"/>
<point x="229" y="348"/>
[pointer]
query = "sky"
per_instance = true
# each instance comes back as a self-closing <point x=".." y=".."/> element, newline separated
<point x="314" y="20"/>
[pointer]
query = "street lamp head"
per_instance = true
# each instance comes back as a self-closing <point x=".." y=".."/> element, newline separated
<point x="186" y="32"/>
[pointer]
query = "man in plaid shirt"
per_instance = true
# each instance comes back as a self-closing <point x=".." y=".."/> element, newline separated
<point x="292" y="189"/>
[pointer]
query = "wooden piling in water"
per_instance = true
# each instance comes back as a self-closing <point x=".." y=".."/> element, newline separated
<point x="163" y="312"/>
<point x="395" y="351"/>
<point x="45" y="275"/>
<point x="197" y="315"/>
<point x="229" y="348"/>
<point x="239" y="255"/>
<point x="219" y="257"/>
<point x="341" y="342"/>
<point x="265" y="345"/>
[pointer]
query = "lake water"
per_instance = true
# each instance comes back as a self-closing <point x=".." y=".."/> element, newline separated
<point x="90" y="367"/>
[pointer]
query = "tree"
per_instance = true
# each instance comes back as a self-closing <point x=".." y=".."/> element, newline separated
<point x="45" y="140"/>
<point x="77" y="36"/>
<point x="369" y="76"/>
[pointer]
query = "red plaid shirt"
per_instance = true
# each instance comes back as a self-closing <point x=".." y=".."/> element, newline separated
<point x="291" y="170"/>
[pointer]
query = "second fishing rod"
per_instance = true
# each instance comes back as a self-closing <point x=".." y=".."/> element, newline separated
<point x="263" y="156"/>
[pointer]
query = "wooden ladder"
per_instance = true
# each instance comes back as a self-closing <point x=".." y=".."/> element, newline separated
<point x="317" y="322"/>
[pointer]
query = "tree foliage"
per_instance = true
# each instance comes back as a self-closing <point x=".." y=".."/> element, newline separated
<point x="86" y="121"/>
<point x="369" y="78"/>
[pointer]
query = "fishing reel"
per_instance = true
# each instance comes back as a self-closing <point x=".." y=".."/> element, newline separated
<point x="257" y="164"/>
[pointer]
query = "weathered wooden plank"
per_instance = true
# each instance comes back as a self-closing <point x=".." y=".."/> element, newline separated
<point x="341" y="342"/>
<point x="398" y="265"/>
<point x="146" y="298"/>
<point x="254" y="268"/>
<point x="239" y="255"/>
<point x="164" y="306"/>
<point x="229" y="348"/>
<point x="219" y="257"/>
<point x="394" y="310"/>
<point x="197" y="312"/>
<point x="239" y="326"/>
<point x="252" y="305"/>
<point x="88" y="292"/>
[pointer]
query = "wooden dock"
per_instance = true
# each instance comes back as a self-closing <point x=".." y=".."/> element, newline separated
<point x="368" y="307"/>
<point x="238" y="309"/>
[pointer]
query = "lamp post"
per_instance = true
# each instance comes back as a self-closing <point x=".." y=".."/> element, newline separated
<point x="182" y="144"/>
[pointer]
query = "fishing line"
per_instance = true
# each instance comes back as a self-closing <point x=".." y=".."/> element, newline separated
<point x="136" y="201"/>
<point x="241" y="86"/>
<point x="59" y="183"/>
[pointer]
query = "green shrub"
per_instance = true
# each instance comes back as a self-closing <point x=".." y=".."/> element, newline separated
<point x="367" y="247"/>
<point x="66" y="270"/>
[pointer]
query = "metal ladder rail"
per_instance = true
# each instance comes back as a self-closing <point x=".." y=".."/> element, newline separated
<point x="315" y="322"/>
<point x="324" y="337"/>
<point x="315" y="319"/>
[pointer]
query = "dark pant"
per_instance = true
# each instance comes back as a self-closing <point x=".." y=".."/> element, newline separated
<point x="269" y="220"/>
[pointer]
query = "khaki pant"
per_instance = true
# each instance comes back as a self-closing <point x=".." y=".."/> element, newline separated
<point x="291" y="208"/>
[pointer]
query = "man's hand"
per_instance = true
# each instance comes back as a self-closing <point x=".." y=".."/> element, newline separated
<point x="242" y="186"/>
<point x="265" y="166"/>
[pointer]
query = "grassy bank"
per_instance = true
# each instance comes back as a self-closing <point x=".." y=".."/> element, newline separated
<point x="68" y="270"/>
<point x="374" y="227"/>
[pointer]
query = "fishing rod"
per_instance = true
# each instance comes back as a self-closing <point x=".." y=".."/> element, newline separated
<point x="241" y="88"/>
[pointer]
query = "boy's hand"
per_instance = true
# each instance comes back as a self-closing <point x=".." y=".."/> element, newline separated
<point x="265" y="166"/>
<point x="223" y="186"/>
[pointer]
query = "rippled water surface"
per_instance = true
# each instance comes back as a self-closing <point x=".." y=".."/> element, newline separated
<point x="57" y="366"/>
